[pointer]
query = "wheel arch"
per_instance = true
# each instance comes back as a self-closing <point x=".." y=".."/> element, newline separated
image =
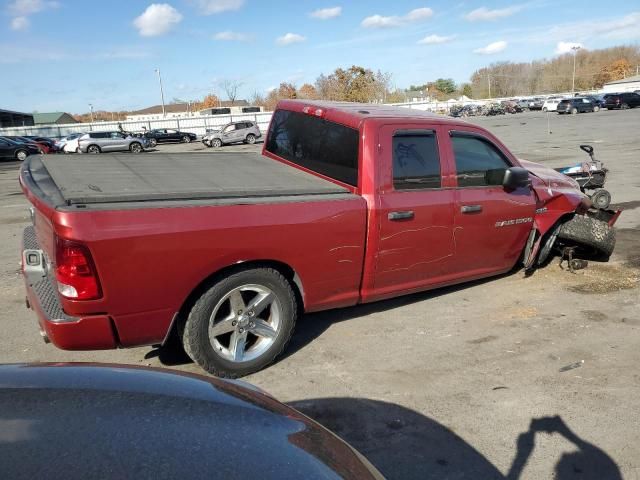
<point x="286" y="270"/>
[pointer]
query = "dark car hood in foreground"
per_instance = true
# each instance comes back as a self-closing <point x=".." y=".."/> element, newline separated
<point x="109" y="421"/>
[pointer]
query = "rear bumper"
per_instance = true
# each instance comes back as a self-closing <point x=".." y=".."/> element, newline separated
<point x="92" y="332"/>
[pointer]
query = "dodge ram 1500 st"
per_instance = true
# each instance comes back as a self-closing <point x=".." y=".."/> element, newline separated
<point x="348" y="203"/>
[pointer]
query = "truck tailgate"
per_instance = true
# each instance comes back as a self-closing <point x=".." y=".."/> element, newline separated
<point x="109" y="178"/>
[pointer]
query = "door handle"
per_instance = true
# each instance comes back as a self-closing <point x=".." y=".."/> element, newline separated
<point x="406" y="215"/>
<point x="471" y="208"/>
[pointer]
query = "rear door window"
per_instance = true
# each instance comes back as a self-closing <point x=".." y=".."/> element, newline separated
<point x="325" y="147"/>
<point x="416" y="163"/>
<point x="477" y="160"/>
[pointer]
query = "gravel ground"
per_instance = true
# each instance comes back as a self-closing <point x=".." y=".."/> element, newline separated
<point x="533" y="377"/>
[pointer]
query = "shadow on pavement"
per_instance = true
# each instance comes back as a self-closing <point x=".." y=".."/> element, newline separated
<point x="404" y="444"/>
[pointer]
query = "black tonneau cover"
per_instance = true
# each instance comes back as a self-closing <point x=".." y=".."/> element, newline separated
<point x="107" y="178"/>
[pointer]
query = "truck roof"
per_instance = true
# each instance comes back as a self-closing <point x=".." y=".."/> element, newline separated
<point x="352" y="114"/>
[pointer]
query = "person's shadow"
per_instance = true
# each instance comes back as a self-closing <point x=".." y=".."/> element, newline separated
<point x="404" y="444"/>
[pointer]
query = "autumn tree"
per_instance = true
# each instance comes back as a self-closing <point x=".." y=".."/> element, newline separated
<point x="355" y="84"/>
<point x="308" y="91"/>
<point x="616" y="70"/>
<point x="210" y="101"/>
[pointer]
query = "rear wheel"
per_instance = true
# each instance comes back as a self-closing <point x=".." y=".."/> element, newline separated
<point x="624" y="106"/>
<point x="251" y="139"/>
<point x="135" y="147"/>
<point x="591" y="236"/>
<point x="242" y="323"/>
<point x="186" y="139"/>
<point x="216" y="142"/>
<point x="596" y="108"/>
<point x="574" y="111"/>
<point x="93" y="149"/>
<point x="22" y="155"/>
<point x="544" y="109"/>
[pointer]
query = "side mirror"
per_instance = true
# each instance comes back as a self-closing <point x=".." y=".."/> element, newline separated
<point x="516" y="177"/>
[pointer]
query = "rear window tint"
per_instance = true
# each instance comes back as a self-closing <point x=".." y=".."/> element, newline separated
<point x="325" y="147"/>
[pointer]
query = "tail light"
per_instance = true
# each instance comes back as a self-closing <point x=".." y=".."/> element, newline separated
<point x="75" y="271"/>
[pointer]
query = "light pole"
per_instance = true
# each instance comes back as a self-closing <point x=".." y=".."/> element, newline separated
<point x="161" y="92"/>
<point x="91" y="107"/>
<point x="489" y="84"/>
<point x="575" y="49"/>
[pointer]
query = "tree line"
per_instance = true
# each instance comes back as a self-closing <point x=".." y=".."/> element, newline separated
<point x="593" y="68"/>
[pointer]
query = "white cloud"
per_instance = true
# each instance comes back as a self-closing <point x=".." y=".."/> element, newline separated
<point x="211" y="7"/>
<point x="419" y="14"/>
<point x="567" y="47"/>
<point x="483" y="14"/>
<point x="495" y="47"/>
<point x="20" y="24"/>
<point x="435" y="39"/>
<point x="326" y="13"/>
<point x="230" y="36"/>
<point x="289" y="38"/>
<point x="22" y="8"/>
<point x="157" y="19"/>
<point x="380" y="21"/>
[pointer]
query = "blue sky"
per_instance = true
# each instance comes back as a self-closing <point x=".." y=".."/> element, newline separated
<point x="61" y="55"/>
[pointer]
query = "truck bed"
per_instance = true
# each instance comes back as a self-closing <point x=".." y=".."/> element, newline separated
<point x="121" y="178"/>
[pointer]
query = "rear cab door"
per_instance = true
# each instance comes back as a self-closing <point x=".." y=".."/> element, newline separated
<point x="491" y="224"/>
<point x="415" y="245"/>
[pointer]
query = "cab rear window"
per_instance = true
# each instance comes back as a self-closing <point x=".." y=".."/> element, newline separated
<point x="325" y="147"/>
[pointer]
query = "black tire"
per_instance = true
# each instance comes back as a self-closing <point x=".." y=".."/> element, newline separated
<point x="93" y="149"/>
<point x="216" y="142"/>
<point x="136" y="147"/>
<point x="251" y="139"/>
<point x="22" y="155"/>
<point x="601" y="198"/>
<point x="153" y="142"/>
<point x="593" y="237"/>
<point x="186" y="139"/>
<point x="195" y="333"/>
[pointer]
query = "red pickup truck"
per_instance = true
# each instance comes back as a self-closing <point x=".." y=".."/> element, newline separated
<point x="347" y="204"/>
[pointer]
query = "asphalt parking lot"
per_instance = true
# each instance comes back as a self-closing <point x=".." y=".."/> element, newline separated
<point x="513" y="377"/>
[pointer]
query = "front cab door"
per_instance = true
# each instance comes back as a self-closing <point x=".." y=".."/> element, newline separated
<point x="491" y="223"/>
<point x="415" y="212"/>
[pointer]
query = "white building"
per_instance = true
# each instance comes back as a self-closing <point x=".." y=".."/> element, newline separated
<point x="172" y="110"/>
<point x="629" y="84"/>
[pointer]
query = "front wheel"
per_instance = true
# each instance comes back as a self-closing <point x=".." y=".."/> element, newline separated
<point x="601" y="198"/>
<point x="216" y="142"/>
<point x="186" y="139"/>
<point x="153" y="142"/>
<point x="241" y="324"/>
<point x="135" y="147"/>
<point x="596" y="108"/>
<point x="574" y="111"/>
<point x="624" y="106"/>
<point x="545" y="109"/>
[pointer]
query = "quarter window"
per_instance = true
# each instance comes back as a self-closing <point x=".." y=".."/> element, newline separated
<point x="416" y="164"/>
<point x="477" y="161"/>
